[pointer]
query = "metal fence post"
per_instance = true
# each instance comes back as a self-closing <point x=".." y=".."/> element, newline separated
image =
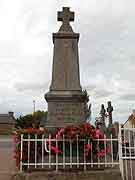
<point x="21" y="155"/>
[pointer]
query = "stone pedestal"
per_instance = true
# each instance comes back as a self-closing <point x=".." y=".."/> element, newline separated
<point x="66" y="109"/>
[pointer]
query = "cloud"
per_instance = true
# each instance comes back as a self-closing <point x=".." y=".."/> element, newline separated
<point x="128" y="97"/>
<point x="106" y="52"/>
<point x="102" y="93"/>
<point x="31" y="86"/>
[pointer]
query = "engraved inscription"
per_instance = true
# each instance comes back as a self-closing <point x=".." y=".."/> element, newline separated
<point x="67" y="112"/>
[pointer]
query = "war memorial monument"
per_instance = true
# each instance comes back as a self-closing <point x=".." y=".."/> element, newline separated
<point x="67" y="103"/>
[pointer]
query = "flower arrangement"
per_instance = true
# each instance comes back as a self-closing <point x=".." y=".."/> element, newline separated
<point x="93" y="138"/>
<point x="17" y="143"/>
<point x="91" y="141"/>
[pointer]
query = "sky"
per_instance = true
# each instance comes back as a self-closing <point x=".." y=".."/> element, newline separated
<point x="106" y="53"/>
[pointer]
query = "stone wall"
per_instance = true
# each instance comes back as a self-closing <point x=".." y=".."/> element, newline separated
<point x="88" y="175"/>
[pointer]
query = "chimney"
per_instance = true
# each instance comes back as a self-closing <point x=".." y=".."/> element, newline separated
<point x="11" y="114"/>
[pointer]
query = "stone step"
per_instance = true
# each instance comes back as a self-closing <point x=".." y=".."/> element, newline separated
<point x="110" y="174"/>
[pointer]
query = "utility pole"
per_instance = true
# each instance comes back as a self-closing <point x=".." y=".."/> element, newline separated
<point x="33" y="118"/>
<point x="34" y="106"/>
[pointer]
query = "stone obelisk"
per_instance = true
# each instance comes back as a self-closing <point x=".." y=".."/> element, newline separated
<point x="67" y="103"/>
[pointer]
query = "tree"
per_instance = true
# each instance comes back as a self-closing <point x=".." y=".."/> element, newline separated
<point x="31" y="120"/>
<point x="37" y="117"/>
<point x="24" y="122"/>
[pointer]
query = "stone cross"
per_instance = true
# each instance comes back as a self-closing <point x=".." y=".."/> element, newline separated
<point x="110" y="110"/>
<point x="103" y="114"/>
<point x="66" y="16"/>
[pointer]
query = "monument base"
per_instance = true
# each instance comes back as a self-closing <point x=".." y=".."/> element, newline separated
<point x="66" y="108"/>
